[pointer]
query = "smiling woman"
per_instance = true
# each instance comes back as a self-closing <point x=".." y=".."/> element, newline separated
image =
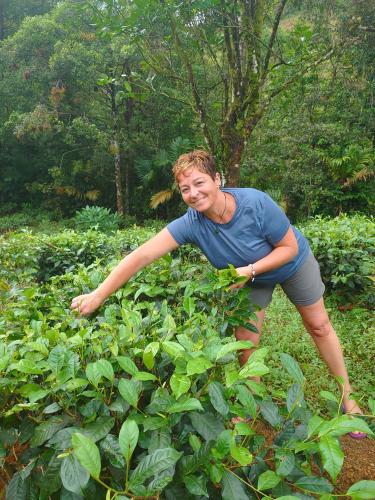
<point x="243" y="227"/>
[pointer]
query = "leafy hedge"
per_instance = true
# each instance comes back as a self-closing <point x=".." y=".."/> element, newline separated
<point x="345" y="249"/>
<point x="138" y="400"/>
<point x="27" y="255"/>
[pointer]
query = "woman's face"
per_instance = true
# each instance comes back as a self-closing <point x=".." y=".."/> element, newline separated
<point x="198" y="190"/>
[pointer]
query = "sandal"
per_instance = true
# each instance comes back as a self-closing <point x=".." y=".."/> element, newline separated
<point x="354" y="435"/>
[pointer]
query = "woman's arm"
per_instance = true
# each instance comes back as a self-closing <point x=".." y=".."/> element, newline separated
<point x="284" y="251"/>
<point x="154" y="248"/>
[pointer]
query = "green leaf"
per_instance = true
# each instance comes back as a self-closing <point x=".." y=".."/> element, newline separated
<point x="128" y="438"/>
<point x="194" y="442"/>
<point x="179" y="384"/>
<point x="46" y="430"/>
<point x="294" y="397"/>
<point x="127" y="365"/>
<point x="207" y="425"/>
<point x="74" y="477"/>
<point x="247" y="400"/>
<point x="144" y="376"/>
<point x="174" y="349"/>
<point x="314" y="484"/>
<point x="314" y="424"/>
<point x="342" y="425"/>
<point x="215" y="391"/>
<point x="99" y="429"/>
<point x="243" y="429"/>
<point x="17" y="488"/>
<point x="216" y="474"/>
<point x="329" y="396"/>
<point x="253" y="369"/>
<point x="363" y="490"/>
<point x="197" y="366"/>
<point x="292" y="367"/>
<point x="155" y="463"/>
<point x="332" y="456"/>
<point x="233" y="488"/>
<point x="28" y="366"/>
<point x="222" y="445"/>
<point x="190" y="404"/>
<point x="149" y="354"/>
<point x="270" y="412"/>
<point x="241" y="455"/>
<point x="111" y="449"/>
<point x="87" y="454"/>
<point x="285" y="461"/>
<point x="153" y="423"/>
<point x="105" y="369"/>
<point x="267" y="480"/>
<point x="233" y="346"/>
<point x="196" y="485"/>
<point x="93" y="374"/>
<point x="128" y="390"/>
<point x="371" y="405"/>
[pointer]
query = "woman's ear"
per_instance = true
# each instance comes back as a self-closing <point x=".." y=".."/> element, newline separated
<point x="218" y="179"/>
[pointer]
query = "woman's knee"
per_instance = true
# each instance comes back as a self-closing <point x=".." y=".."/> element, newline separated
<point x="320" y="328"/>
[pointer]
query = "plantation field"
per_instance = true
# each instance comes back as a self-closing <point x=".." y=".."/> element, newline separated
<point x="137" y="401"/>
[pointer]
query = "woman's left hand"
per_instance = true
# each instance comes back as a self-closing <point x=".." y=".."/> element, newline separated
<point x="242" y="271"/>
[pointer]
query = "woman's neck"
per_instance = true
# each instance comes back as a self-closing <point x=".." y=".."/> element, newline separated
<point x="223" y="210"/>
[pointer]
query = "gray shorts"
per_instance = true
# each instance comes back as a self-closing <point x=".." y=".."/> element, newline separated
<point x="303" y="288"/>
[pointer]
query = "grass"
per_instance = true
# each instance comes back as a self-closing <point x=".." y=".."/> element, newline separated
<point x="284" y="332"/>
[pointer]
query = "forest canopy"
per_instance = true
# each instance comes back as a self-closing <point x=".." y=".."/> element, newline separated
<point x="98" y="98"/>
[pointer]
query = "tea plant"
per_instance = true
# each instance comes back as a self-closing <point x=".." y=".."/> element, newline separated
<point x="345" y="250"/>
<point x="138" y="401"/>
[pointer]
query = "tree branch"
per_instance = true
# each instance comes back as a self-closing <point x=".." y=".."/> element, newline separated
<point x="275" y="27"/>
<point x="199" y="107"/>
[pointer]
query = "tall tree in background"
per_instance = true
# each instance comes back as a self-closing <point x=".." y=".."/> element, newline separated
<point x="229" y="54"/>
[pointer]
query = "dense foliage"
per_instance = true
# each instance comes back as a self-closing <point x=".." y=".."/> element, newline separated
<point x="345" y="249"/>
<point x="93" y="98"/>
<point x="138" y="400"/>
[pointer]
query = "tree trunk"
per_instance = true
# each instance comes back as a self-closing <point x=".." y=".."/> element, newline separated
<point x="116" y="152"/>
<point x="232" y="147"/>
<point x="118" y="180"/>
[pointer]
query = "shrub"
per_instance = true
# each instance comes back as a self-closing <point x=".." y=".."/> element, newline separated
<point x="99" y="218"/>
<point x="26" y="256"/>
<point x="345" y="249"/>
<point x="138" y="400"/>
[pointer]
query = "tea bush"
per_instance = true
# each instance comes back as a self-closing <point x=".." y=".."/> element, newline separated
<point x="25" y="256"/>
<point x="137" y="401"/>
<point x="99" y="218"/>
<point x="345" y="249"/>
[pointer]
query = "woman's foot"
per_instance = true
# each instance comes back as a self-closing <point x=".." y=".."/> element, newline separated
<point x="350" y="407"/>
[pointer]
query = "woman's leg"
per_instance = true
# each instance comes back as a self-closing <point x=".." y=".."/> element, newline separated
<point x="317" y="323"/>
<point x="243" y="333"/>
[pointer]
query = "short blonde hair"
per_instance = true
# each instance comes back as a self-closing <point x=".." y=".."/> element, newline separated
<point x="198" y="159"/>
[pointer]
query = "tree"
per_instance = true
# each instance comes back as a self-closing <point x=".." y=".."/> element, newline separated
<point x="229" y="54"/>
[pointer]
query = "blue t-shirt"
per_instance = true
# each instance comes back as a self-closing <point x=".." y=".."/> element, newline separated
<point x="257" y="224"/>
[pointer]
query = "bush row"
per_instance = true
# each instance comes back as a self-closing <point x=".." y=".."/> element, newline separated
<point x="137" y="401"/>
<point x="345" y="249"/>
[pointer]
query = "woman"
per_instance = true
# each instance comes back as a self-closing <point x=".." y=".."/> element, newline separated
<point x="243" y="227"/>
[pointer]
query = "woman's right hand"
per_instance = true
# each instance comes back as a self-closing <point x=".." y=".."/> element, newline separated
<point x="87" y="303"/>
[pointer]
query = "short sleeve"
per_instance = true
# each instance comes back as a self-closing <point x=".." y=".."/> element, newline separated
<point x="275" y="223"/>
<point x="180" y="229"/>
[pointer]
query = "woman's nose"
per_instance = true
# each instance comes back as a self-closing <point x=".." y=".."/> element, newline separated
<point x="193" y="191"/>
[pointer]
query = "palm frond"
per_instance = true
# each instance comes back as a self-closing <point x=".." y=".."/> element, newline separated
<point x="362" y="175"/>
<point x="160" y="197"/>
